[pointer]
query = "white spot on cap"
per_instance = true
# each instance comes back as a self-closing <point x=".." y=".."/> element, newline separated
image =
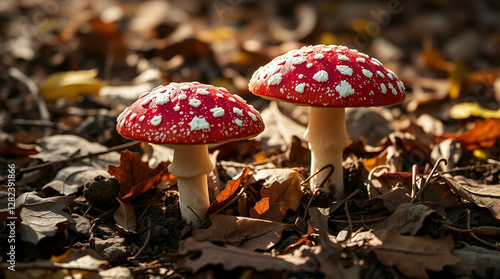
<point x="202" y="91"/>
<point x="133" y="116"/>
<point x="177" y="108"/>
<point x="345" y="70"/>
<point x="309" y="65"/>
<point x="343" y="57"/>
<point x="195" y="102"/>
<point x="162" y="99"/>
<point x="360" y="60"/>
<point x="240" y="98"/>
<point x="142" y="118"/>
<point x="383" y="88"/>
<point x="344" y="89"/>
<point x="401" y="85"/>
<point x="252" y="115"/>
<point x="275" y="79"/>
<point x="394" y="91"/>
<point x="238" y="111"/>
<point x="217" y="112"/>
<point x="182" y="96"/>
<point x="319" y="56"/>
<point x="392" y="73"/>
<point x="298" y="60"/>
<point x="238" y="122"/>
<point x="156" y="120"/>
<point x="375" y="60"/>
<point x="380" y="74"/>
<point x="321" y="76"/>
<point x="367" y="73"/>
<point x="300" y="87"/>
<point x="301" y="76"/>
<point x="326" y="49"/>
<point x="199" y="123"/>
<point x="231" y="99"/>
<point x="147" y="99"/>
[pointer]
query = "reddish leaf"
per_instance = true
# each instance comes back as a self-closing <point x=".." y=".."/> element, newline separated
<point x="281" y="192"/>
<point x="132" y="171"/>
<point x="144" y="186"/>
<point x="484" y="134"/>
<point x="228" y="193"/>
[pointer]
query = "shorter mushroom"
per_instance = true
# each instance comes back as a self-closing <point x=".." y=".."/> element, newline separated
<point x="189" y="116"/>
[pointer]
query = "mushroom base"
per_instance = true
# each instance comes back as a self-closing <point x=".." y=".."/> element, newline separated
<point x="327" y="137"/>
<point x="191" y="164"/>
<point x="193" y="198"/>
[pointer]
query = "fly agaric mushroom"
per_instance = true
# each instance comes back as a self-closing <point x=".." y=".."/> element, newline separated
<point x="189" y="116"/>
<point x="328" y="79"/>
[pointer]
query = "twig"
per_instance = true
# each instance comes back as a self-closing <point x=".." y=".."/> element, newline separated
<point x="358" y="221"/>
<point x="346" y="207"/>
<point x="46" y="266"/>
<point x="33" y="89"/>
<point x="370" y="177"/>
<point x="320" y="186"/>
<point x="146" y="242"/>
<point x="476" y="237"/>
<point x="414" y="187"/>
<point x="429" y="177"/>
<point x="342" y="201"/>
<point x="52" y="163"/>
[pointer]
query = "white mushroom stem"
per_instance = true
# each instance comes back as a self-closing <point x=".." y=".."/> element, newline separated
<point x="191" y="164"/>
<point x="327" y="137"/>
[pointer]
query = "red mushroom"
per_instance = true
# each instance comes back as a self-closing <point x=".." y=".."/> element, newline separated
<point x="327" y="78"/>
<point x="189" y="116"/>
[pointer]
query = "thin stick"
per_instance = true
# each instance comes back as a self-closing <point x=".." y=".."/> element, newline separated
<point x="476" y="237"/>
<point x="52" y="163"/>
<point x="33" y="89"/>
<point x="426" y="182"/>
<point x="146" y="242"/>
<point x="414" y="187"/>
<point x="320" y="186"/>
<point x="370" y="177"/>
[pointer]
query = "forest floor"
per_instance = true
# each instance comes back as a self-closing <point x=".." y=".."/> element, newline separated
<point x="422" y="178"/>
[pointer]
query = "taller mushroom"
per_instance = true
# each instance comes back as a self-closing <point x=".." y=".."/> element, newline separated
<point x="328" y="79"/>
<point x="189" y="116"/>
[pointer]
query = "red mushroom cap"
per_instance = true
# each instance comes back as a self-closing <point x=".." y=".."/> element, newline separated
<point x="189" y="113"/>
<point x="328" y="76"/>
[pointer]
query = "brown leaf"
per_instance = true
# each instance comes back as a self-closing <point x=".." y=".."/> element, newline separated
<point x="232" y="257"/>
<point x="144" y="186"/>
<point x="70" y="180"/>
<point x="480" y="194"/>
<point x="413" y="255"/>
<point x="132" y="171"/>
<point x="484" y="134"/>
<point x="42" y="217"/>
<point x="409" y="218"/>
<point x="246" y="233"/>
<point x="228" y="193"/>
<point x="125" y="218"/>
<point x="391" y="200"/>
<point x="477" y="262"/>
<point x="281" y="192"/>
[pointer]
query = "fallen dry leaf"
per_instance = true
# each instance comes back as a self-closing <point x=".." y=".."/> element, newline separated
<point x="228" y="193"/>
<point x="125" y="218"/>
<point x="70" y="84"/>
<point x="232" y="257"/>
<point x="42" y="217"/>
<point x="409" y="218"/>
<point x="246" y="233"/>
<point x="484" y="134"/>
<point x="477" y="262"/>
<point x="413" y="255"/>
<point x="390" y="200"/>
<point x="281" y="191"/>
<point x="482" y="195"/>
<point x="132" y="171"/>
<point x="70" y="180"/>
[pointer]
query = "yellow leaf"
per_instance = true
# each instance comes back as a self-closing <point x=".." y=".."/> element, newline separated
<point x="458" y="72"/>
<point x="70" y="84"/>
<point x="481" y="153"/>
<point x="466" y="110"/>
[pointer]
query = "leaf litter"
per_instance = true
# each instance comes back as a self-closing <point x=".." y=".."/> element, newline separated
<point x="84" y="209"/>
